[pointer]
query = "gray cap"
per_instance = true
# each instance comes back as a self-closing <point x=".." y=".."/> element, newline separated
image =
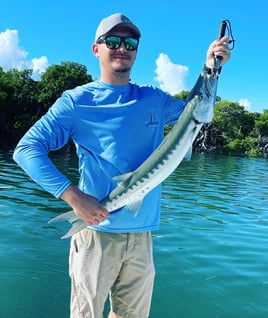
<point x="117" y="19"/>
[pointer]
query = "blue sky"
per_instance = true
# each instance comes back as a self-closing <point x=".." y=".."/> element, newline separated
<point x="175" y="38"/>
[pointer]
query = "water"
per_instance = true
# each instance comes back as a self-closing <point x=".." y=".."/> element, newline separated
<point x="211" y="252"/>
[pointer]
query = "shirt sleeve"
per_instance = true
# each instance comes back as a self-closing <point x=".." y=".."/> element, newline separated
<point x="173" y="109"/>
<point x="51" y="132"/>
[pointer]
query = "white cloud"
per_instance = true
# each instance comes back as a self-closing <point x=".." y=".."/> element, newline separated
<point x="39" y="66"/>
<point x="171" y="77"/>
<point x="12" y="56"/>
<point x="245" y="103"/>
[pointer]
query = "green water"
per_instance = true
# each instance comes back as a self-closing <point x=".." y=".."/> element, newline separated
<point x="211" y="252"/>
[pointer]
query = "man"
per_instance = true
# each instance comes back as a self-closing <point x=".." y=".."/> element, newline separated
<point x="115" y="126"/>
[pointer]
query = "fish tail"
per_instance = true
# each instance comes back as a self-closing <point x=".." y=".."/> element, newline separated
<point x="72" y="218"/>
<point x="76" y="227"/>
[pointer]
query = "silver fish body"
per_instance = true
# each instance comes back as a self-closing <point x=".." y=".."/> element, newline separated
<point x="133" y="187"/>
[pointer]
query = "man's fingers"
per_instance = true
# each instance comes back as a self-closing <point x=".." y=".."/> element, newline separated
<point x="96" y="217"/>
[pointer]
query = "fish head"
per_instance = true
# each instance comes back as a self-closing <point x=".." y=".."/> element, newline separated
<point x="207" y="90"/>
<point x="204" y="110"/>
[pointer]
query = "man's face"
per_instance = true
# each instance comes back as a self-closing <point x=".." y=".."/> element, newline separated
<point x="115" y="60"/>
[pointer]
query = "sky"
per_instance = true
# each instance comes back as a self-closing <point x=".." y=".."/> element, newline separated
<point x="175" y="37"/>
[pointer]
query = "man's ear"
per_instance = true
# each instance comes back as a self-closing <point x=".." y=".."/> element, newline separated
<point x="95" y="49"/>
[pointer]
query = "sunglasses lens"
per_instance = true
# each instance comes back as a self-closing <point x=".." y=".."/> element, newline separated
<point x="131" y="44"/>
<point x="113" y="42"/>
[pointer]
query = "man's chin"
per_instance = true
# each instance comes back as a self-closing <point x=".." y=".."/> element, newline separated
<point x="122" y="70"/>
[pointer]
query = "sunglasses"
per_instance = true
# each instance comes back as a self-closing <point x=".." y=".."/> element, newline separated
<point x="114" y="42"/>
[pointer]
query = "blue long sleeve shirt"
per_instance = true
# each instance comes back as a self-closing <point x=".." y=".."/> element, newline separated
<point x="114" y="129"/>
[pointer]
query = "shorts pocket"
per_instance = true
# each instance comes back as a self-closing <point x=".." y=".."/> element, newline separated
<point x="83" y="240"/>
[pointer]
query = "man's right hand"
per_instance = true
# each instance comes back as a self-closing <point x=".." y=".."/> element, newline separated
<point x="87" y="207"/>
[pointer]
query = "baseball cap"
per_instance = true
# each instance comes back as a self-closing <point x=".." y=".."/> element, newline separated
<point x="117" y="19"/>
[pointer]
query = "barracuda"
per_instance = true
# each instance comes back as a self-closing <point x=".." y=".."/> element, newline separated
<point x="133" y="187"/>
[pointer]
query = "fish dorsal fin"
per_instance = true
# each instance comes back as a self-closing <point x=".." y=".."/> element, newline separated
<point x="123" y="178"/>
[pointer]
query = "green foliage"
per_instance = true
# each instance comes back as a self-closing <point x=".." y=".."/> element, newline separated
<point x="240" y="147"/>
<point x="17" y="96"/>
<point x="231" y="125"/>
<point x="23" y="122"/>
<point x="23" y="100"/>
<point x="232" y="120"/>
<point x="262" y="123"/>
<point x="234" y="131"/>
<point x="182" y="95"/>
<point x="58" y="78"/>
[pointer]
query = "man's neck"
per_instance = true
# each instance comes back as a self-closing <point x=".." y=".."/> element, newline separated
<point x="116" y="78"/>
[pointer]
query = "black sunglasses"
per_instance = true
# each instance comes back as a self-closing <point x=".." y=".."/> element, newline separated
<point x="114" y="42"/>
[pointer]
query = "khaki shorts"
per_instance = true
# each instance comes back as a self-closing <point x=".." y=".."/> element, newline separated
<point x="119" y="264"/>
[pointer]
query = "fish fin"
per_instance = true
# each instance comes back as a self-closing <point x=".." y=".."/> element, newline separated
<point x="68" y="216"/>
<point x="134" y="206"/>
<point x="188" y="154"/>
<point x="120" y="179"/>
<point x="76" y="227"/>
<point x="77" y="223"/>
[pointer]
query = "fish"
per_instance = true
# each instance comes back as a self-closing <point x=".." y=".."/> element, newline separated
<point x="133" y="186"/>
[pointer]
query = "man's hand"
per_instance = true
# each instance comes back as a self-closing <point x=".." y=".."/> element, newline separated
<point x="85" y="206"/>
<point x="218" y="48"/>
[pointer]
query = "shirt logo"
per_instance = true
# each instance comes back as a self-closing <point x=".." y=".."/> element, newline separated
<point x="153" y="119"/>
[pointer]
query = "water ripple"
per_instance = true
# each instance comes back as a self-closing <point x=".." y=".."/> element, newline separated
<point x="211" y="252"/>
